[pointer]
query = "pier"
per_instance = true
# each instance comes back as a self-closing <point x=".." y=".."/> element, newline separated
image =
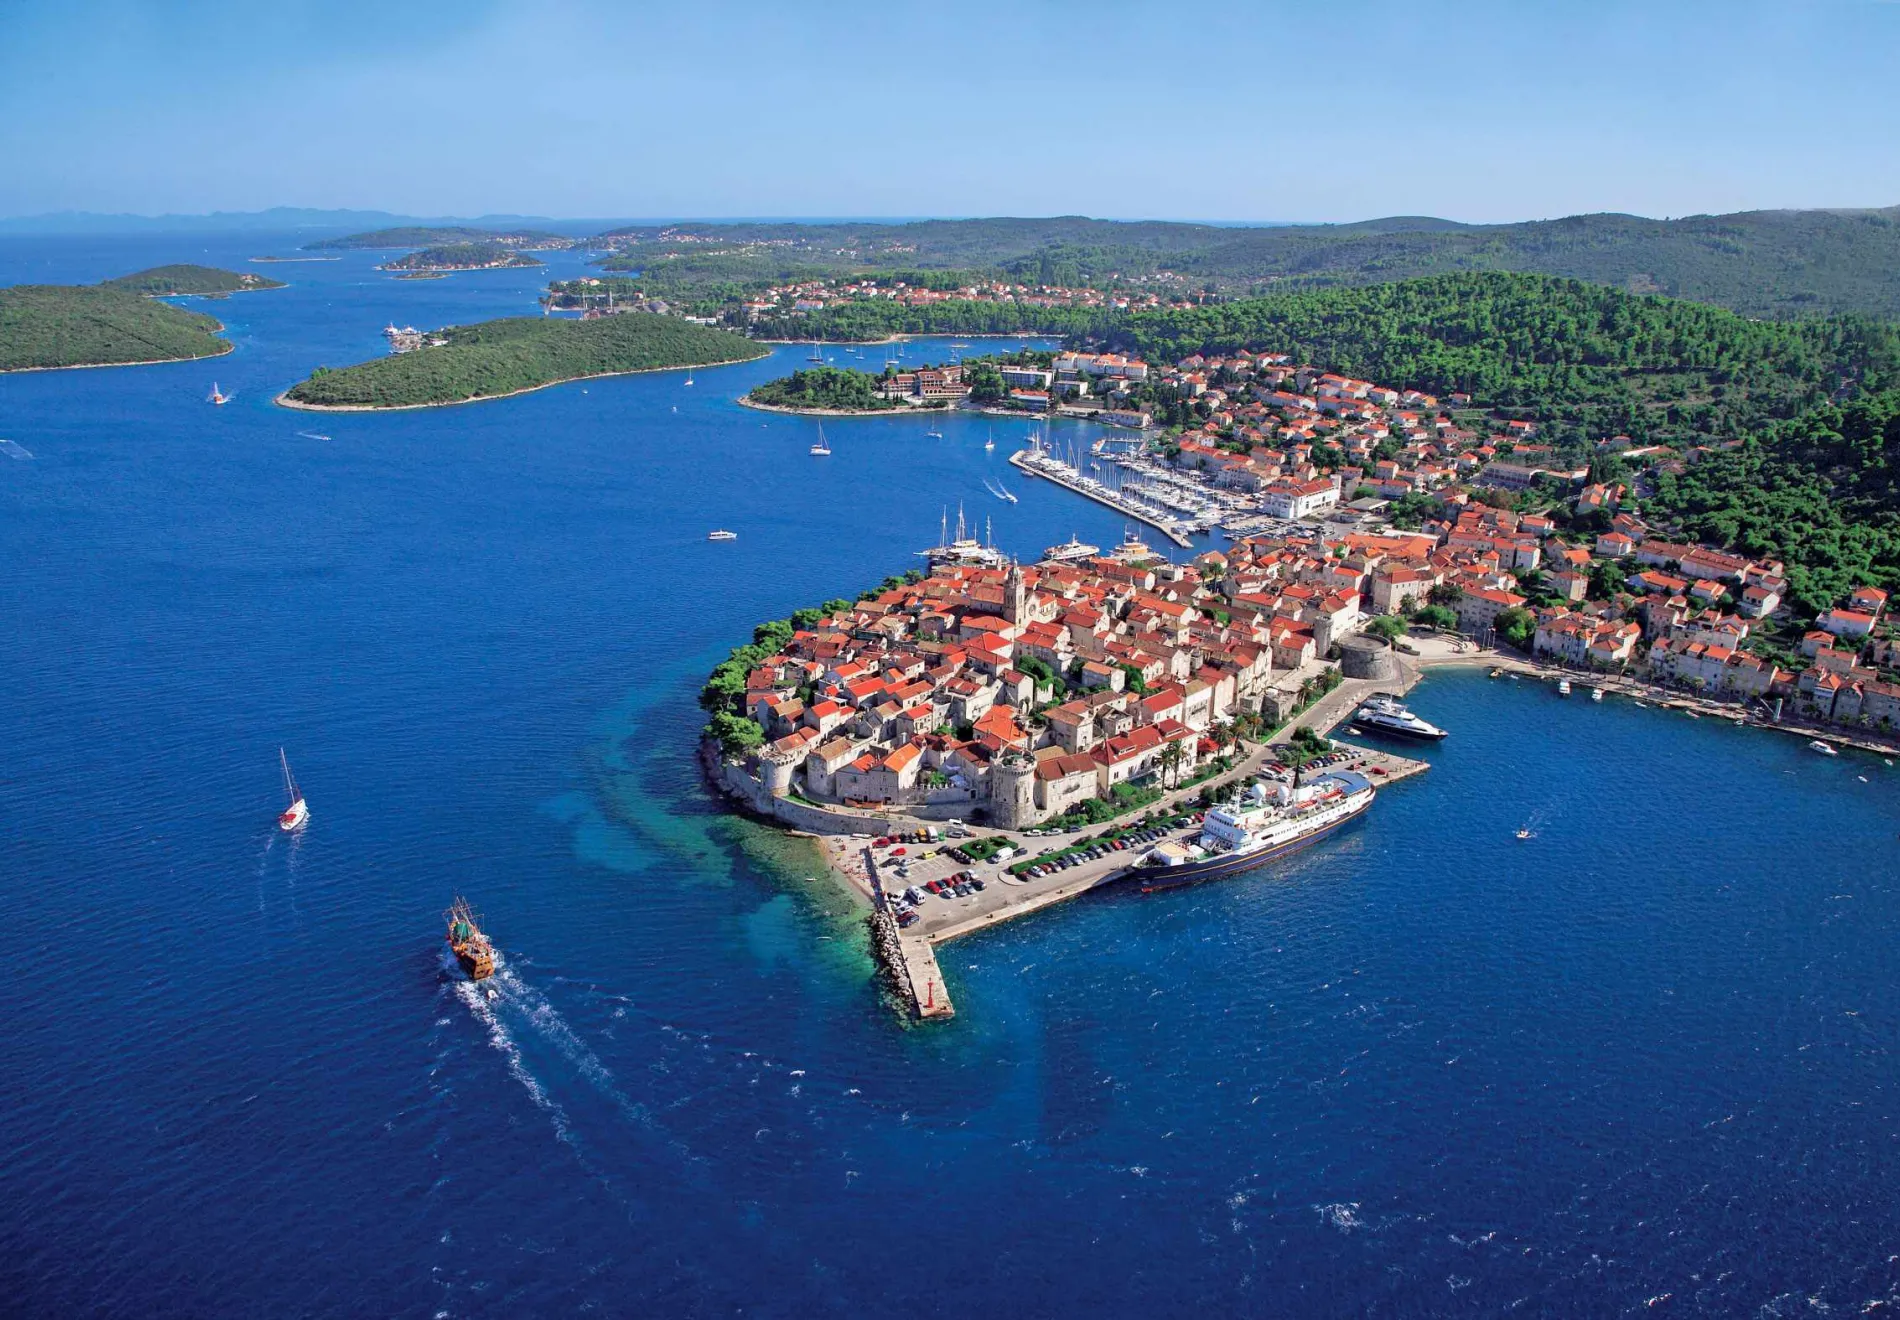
<point x="908" y="956"/>
<point x="1061" y="476"/>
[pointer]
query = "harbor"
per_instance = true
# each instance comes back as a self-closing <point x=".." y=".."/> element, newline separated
<point x="1037" y="463"/>
<point x="875" y="872"/>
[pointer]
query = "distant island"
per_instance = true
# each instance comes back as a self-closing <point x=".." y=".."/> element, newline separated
<point x="412" y="236"/>
<point x="493" y="359"/>
<point x="823" y="390"/>
<point x="173" y="281"/>
<point x="461" y="256"/>
<point x="49" y="326"/>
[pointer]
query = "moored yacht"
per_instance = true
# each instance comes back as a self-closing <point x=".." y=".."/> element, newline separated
<point x="1563" y="687"/>
<point x="1263" y="826"/>
<point x="1384" y="714"/>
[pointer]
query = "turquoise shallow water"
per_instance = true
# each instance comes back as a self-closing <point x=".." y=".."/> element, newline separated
<point x="1425" y="1069"/>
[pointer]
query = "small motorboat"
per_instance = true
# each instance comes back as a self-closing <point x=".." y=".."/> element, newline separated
<point x="721" y="534"/>
<point x="1596" y="694"/>
<point x="1563" y="687"/>
<point x="1526" y="833"/>
<point x="1497" y="673"/>
<point x="1823" y="748"/>
<point x="293" y="816"/>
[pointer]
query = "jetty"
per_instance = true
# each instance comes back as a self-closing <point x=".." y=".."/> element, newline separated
<point x="907" y="955"/>
<point x="1032" y="464"/>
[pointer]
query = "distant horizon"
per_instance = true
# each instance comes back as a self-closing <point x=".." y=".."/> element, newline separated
<point x="98" y="222"/>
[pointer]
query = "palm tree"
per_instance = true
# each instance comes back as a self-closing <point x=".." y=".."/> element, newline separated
<point x="1171" y="764"/>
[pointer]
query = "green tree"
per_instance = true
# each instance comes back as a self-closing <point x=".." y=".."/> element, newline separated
<point x="1517" y="626"/>
<point x="1387" y="627"/>
<point x="735" y="734"/>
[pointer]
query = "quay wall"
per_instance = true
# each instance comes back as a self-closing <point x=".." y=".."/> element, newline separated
<point x="1126" y="508"/>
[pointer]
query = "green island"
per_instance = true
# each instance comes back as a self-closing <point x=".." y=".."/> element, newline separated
<point x="462" y="256"/>
<point x="44" y="326"/>
<point x="823" y="389"/>
<point x="206" y="281"/>
<point x="414" y="236"/>
<point x="516" y="354"/>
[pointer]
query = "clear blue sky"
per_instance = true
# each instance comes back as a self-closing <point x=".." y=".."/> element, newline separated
<point x="1318" y="111"/>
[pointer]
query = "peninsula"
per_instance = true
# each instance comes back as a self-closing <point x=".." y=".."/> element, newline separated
<point x="1663" y="499"/>
<point x="1017" y="380"/>
<point x="48" y="326"/>
<point x="414" y="236"/>
<point x="492" y="359"/>
<point x="822" y="390"/>
<point x="462" y="256"/>
<point x="182" y="280"/>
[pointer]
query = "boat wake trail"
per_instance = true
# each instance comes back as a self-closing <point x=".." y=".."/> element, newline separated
<point x="12" y="450"/>
<point x="482" y="1009"/>
<point x="540" y="1016"/>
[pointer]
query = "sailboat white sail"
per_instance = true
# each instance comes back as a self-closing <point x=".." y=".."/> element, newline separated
<point x="294" y="815"/>
<point x="821" y="449"/>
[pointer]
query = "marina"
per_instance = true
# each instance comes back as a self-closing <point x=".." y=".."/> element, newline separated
<point x="1035" y="463"/>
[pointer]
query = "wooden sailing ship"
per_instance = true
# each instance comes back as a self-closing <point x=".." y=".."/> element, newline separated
<point x="466" y="941"/>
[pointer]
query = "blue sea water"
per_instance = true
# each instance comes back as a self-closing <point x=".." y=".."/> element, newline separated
<point x="1641" y="1062"/>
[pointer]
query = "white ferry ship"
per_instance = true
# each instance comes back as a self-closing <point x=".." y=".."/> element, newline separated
<point x="1073" y="548"/>
<point x="1264" y="826"/>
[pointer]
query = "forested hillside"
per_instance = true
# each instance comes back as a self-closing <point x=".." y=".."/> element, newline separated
<point x="1820" y="491"/>
<point x="164" y="281"/>
<point x="462" y="256"/>
<point x="61" y="325"/>
<point x="521" y="353"/>
<point x="1550" y="349"/>
<point x="1759" y="263"/>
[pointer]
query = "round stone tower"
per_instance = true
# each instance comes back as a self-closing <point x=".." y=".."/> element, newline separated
<point x="1367" y="657"/>
<point x="1013" y="791"/>
<point x="775" y="770"/>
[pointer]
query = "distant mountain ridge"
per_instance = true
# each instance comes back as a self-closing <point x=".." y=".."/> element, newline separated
<point x="1760" y="263"/>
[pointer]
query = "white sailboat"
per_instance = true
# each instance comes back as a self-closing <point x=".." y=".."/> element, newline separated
<point x="217" y="396"/>
<point x="294" y="815"/>
<point x="991" y="442"/>
<point x="821" y="449"/>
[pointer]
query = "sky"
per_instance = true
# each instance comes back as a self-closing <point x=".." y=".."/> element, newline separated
<point x="1344" y="110"/>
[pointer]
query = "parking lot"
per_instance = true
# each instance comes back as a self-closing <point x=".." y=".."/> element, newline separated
<point x="935" y="877"/>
